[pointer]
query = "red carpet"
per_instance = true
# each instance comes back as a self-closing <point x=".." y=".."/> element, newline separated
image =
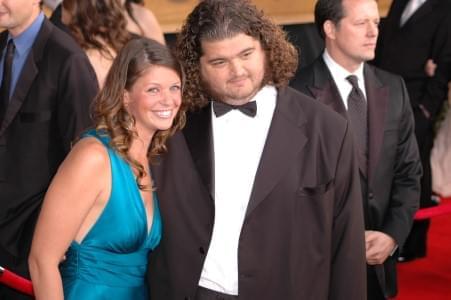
<point x="429" y="278"/>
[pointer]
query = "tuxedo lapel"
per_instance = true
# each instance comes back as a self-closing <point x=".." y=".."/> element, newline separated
<point x="377" y="98"/>
<point x="198" y="133"/>
<point x="286" y="137"/>
<point x="26" y="78"/>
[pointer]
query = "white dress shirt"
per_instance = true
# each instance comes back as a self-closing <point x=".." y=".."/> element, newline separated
<point x="339" y="75"/>
<point x="238" y="145"/>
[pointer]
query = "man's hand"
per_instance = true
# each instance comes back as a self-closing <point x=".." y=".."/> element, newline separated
<point x="430" y="68"/>
<point x="378" y="246"/>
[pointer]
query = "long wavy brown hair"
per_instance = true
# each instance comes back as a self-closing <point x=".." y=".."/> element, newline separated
<point x="219" y="19"/>
<point x="98" y="24"/>
<point x="109" y="112"/>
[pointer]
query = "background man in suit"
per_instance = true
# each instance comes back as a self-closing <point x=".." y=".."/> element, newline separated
<point x="413" y="32"/>
<point x="377" y="105"/>
<point x="47" y="84"/>
<point x="260" y="192"/>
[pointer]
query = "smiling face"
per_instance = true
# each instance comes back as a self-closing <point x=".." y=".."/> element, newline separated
<point x="353" y="40"/>
<point x="18" y="15"/>
<point x="154" y="100"/>
<point x="233" y="69"/>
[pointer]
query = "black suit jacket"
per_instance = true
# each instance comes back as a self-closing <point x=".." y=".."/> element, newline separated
<point x="48" y="109"/>
<point x="302" y="236"/>
<point x="391" y="188"/>
<point x="405" y="50"/>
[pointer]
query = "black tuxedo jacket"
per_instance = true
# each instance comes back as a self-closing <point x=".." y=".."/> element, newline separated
<point x="48" y="108"/>
<point x="302" y="236"/>
<point x="405" y="50"/>
<point x="390" y="188"/>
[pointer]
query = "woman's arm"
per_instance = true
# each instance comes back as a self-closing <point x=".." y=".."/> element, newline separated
<point x="148" y="22"/>
<point x="81" y="181"/>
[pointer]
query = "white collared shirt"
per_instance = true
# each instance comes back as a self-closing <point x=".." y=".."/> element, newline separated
<point x="339" y="75"/>
<point x="238" y="145"/>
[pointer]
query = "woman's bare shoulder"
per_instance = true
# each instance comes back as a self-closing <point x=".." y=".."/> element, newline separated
<point x="88" y="153"/>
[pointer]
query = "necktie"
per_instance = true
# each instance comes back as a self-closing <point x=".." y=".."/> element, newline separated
<point x="410" y="9"/>
<point x="6" y="80"/>
<point x="221" y="108"/>
<point x="358" y="115"/>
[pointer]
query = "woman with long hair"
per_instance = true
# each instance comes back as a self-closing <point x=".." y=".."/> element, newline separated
<point x="100" y="216"/>
<point x="99" y="27"/>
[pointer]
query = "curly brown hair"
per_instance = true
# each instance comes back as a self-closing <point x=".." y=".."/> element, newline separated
<point x="98" y="24"/>
<point x="109" y="112"/>
<point x="219" y="19"/>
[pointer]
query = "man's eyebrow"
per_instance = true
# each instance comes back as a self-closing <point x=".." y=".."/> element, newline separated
<point x="225" y="58"/>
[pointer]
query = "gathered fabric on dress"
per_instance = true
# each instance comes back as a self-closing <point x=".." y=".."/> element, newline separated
<point x="441" y="158"/>
<point x="111" y="260"/>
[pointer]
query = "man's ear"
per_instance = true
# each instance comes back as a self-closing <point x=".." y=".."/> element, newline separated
<point x="329" y="29"/>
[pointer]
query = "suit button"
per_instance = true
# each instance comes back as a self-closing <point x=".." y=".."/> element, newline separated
<point x="370" y="195"/>
<point x="202" y="250"/>
<point x="187" y="298"/>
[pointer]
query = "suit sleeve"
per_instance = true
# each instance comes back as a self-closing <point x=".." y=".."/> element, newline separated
<point x="76" y="90"/>
<point x="405" y="193"/>
<point x="436" y="88"/>
<point x="348" y="266"/>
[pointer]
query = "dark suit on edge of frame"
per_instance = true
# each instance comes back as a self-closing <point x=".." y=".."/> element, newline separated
<point x="48" y="109"/>
<point x="302" y="234"/>
<point x="391" y="188"/>
<point x="403" y="50"/>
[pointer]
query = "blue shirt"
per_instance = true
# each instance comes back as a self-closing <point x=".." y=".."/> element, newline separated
<point x="23" y="43"/>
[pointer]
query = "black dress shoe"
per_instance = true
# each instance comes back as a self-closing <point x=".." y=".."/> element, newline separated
<point x="403" y="259"/>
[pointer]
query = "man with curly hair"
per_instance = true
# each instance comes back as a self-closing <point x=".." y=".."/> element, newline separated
<point x="260" y="193"/>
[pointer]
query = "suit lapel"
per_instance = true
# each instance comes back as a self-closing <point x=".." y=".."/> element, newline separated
<point x="3" y="38"/>
<point x="286" y="137"/>
<point x="324" y="88"/>
<point x="28" y="74"/>
<point x="326" y="91"/>
<point x="377" y="98"/>
<point x="198" y="133"/>
<point x="396" y="9"/>
<point x="421" y="12"/>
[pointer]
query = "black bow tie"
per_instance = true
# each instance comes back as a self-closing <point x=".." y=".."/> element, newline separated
<point x="221" y="108"/>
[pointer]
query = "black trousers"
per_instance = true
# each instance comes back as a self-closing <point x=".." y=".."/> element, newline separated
<point x="374" y="291"/>
<point x="415" y="245"/>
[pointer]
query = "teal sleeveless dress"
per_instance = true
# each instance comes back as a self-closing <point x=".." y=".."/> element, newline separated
<point x="111" y="261"/>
